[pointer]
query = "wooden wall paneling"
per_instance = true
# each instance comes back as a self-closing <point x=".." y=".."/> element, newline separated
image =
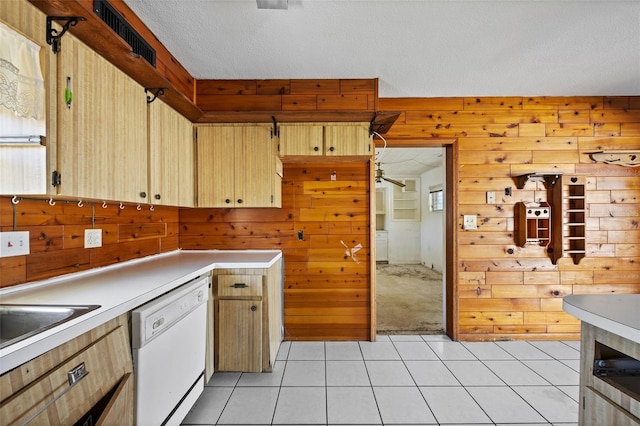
<point x="493" y="272"/>
<point x="56" y="236"/>
<point x="327" y="294"/>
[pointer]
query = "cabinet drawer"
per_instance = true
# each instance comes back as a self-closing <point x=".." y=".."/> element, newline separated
<point x="52" y="400"/>
<point x="239" y="285"/>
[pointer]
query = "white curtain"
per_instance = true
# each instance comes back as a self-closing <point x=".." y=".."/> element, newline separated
<point x="22" y="92"/>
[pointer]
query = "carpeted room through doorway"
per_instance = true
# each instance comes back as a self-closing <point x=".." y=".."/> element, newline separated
<point x="408" y="299"/>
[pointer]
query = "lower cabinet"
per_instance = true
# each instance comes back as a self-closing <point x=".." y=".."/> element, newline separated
<point x="247" y="318"/>
<point x="86" y="380"/>
<point x="240" y="335"/>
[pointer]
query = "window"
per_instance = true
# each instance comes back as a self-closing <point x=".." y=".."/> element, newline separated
<point x="436" y="199"/>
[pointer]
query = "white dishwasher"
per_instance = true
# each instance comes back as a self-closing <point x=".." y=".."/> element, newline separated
<point x="168" y="343"/>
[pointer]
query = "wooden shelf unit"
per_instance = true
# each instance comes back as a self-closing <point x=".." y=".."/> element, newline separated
<point x="534" y="224"/>
<point x="569" y="229"/>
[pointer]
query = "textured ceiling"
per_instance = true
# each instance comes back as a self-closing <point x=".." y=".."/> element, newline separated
<point x="417" y="48"/>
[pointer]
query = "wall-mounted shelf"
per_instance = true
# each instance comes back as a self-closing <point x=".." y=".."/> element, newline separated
<point x="569" y="229"/>
<point x="534" y="224"/>
<point x="549" y="179"/>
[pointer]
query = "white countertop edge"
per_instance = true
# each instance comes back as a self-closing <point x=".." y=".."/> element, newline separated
<point x="27" y="349"/>
<point x="600" y="321"/>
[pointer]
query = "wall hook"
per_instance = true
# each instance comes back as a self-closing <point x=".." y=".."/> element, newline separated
<point x="104" y="204"/>
<point x="138" y="207"/>
<point x="53" y="37"/>
<point x="80" y="203"/>
<point x="51" y="202"/>
<point x="156" y="92"/>
<point x="15" y="200"/>
<point x="121" y="206"/>
<point x="151" y="208"/>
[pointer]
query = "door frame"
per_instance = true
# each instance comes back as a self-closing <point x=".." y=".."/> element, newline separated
<point x="450" y="294"/>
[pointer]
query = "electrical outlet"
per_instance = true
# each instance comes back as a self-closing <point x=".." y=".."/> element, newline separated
<point x="491" y="197"/>
<point x="469" y="222"/>
<point x="92" y="238"/>
<point x="14" y="243"/>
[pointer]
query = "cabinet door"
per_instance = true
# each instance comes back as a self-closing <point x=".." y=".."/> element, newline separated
<point x="347" y="139"/>
<point x="240" y="335"/>
<point x="171" y="174"/>
<point x="254" y="175"/>
<point x="301" y="139"/>
<point x="215" y="166"/>
<point x="102" y="133"/>
<point x="237" y="166"/>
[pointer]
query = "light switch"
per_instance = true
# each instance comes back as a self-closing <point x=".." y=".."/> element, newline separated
<point x="491" y="197"/>
<point x="469" y="222"/>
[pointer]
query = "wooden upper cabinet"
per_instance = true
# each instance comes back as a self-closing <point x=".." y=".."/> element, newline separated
<point x="102" y="128"/>
<point x="347" y="139"/>
<point x="237" y="166"/>
<point x="171" y="158"/>
<point x="301" y="139"/>
<point x="325" y="139"/>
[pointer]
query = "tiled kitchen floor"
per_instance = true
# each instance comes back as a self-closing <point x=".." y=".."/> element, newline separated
<point x="404" y="380"/>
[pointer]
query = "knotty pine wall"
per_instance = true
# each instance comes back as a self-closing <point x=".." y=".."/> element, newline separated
<point x="519" y="295"/>
<point x="326" y="293"/>
<point x="57" y="236"/>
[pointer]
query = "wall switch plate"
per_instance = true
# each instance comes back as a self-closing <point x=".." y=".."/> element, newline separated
<point x="92" y="238"/>
<point x="491" y="197"/>
<point x="469" y="222"/>
<point x="15" y="243"/>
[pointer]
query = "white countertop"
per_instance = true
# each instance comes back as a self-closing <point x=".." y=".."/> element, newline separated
<point x="117" y="289"/>
<point x="616" y="313"/>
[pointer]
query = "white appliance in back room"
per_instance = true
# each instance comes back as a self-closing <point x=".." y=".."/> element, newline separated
<point x="168" y="341"/>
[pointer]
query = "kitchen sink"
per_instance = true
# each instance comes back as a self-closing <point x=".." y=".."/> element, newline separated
<point x="18" y="322"/>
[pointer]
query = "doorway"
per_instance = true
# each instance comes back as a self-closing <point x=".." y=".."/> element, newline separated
<point x="410" y="240"/>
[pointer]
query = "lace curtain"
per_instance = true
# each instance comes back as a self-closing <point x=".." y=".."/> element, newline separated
<point x="21" y="86"/>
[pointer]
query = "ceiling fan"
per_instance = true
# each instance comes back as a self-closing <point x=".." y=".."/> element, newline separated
<point x="380" y="177"/>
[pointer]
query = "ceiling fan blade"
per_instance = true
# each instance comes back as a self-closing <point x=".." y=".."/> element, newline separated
<point x="395" y="182"/>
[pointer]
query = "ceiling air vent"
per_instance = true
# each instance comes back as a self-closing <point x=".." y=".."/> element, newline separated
<point x="108" y="14"/>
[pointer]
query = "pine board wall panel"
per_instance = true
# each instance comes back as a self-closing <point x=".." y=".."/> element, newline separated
<point x="326" y="291"/>
<point x="56" y="236"/>
<point x="509" y="292"/>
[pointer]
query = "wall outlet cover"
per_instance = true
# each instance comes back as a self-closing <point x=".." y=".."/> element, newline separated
<point x="491" y="197"/>
<point x="15" y="243"/>
<point x="92" y="238"/>
<point x="469" y="222"/>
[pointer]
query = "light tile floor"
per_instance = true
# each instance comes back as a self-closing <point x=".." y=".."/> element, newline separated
<point x="401" y="380"/>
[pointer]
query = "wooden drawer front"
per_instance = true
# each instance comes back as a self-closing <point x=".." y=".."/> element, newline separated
<point x="597" y="409"/>
<point x="51" y="400"/>
<point x="240" y="285"/>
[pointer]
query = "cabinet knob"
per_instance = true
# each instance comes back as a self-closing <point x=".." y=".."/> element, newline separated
<point x="157" y="196"/>
<point x="239" y="200"/>
<point x="253" y="308"/>
<point x="228" y="201"/>
<point x="143" y="195"/>
<point x="315" y="148"/>
<point x="332" y="149"/>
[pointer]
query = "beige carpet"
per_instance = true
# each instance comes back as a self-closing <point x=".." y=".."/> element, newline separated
<point x="408" y="299"/>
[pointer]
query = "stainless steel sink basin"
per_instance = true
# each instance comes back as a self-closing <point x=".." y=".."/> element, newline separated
<point x="17" y="322"/>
